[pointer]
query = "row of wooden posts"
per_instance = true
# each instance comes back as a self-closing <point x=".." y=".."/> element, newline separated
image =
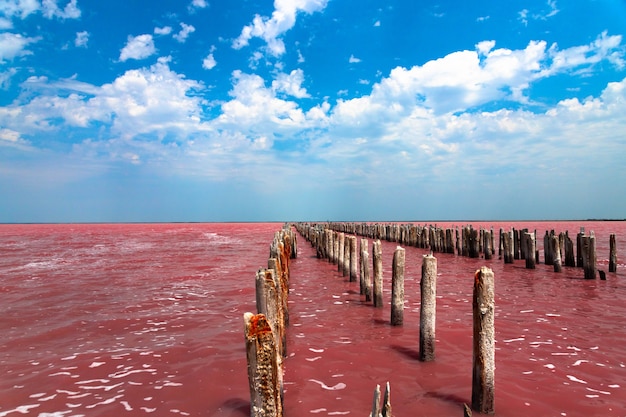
<point x="340" y="248"/>
<point x="513" y="244"/>
<point x="265" y="331"/>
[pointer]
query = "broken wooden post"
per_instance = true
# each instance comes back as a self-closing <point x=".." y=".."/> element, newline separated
<point x="385" y="409"/>
<point x="555" y="252"/>
<point x="428" y="308"/>
<point x="367" y="280"/>
<point x="345" y="269"/>
<point x="529" y="240"/>
<point x="483" y="382"/>
<point x="378" y="274"/>
<point x="397" y="287"/>
<point x="612" y="253"/>
<point x="264" y="369"/>
<point x="487" y="244"/>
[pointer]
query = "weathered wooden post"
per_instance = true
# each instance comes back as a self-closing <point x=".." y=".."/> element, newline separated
<point x="612" y="253"/>
<point x="507" y="246"/>
<point x="548" y="254"/>
<point x="589" y="256"/>
<point x="378" y="274"/>
<point x="345" y="270"/>
<point x="529" y="240"/>
<point x="579" y="248"/>
<point x="516" y="244"/>
<point x="397" y="287"/>
<point x="353" y="258"/>
<point x="483" y="381"/>
<point x="362" y="266"/>
<point x="570" y="259"/>
<point x="340" y="252"/>
<point x="367" y="280"/>
<point x="428" y="308"/>
<point x="487" y="244"/>
<point x="264" y="367"/>
<point x="555" y="252"/>
<point x="385" y="409"/>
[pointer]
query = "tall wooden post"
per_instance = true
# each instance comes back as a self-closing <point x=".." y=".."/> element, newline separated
<point x="345" y="270"/>
<point x="589" y="256"/>
<point x="555" y="252"/>
<point x="353" y="258"/>
<point x="264" y="370"/>
<point x="428" y="308"/>
<point x="529" y="240"/>
<point x="378" y="274"/>
<point x="341" y="248"/>
<point x="612" y="253"/>
<point x="507" y="246"/>
<point x="483" y="381"/>
<point x="362" y="266"/>
<point x="397" y="287"/>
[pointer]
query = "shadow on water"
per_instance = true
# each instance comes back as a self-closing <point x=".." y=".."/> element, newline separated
<point x="409" y="353"/>
<point x="238" y="405"/>
<point x="451" y="398"/>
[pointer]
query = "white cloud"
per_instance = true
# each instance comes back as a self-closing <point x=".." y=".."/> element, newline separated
<point x="353" y="59"/>
<point x="184" y="33"/>
<point x="209" y="62"/>
<point x="165" y="30"/>
<point x="5" y="24"/>
<point x="138" y="47"/>
<point x="51" y="9"/>
<point x="197" y="4"/>
<point x="482" y="18"/>
<point x="524" y="15"/>
<point x="9" y="135"/>
<point x="377" y="23"/>
<point x="283" y="18"/>
<point x="19" y="8"/>
<point x="81" y="39"/>
<point x="13" y="45"/>
<point x="290" y="84"/>
<point x="5" y="77"/>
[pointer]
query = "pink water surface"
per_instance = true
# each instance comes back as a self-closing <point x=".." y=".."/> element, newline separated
<point x="146" y="319"/>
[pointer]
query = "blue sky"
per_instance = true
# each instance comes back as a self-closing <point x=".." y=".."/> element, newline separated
<point x="250" y="110"/>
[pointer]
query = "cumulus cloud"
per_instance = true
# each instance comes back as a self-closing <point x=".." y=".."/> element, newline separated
<point x="209" y="62"/>
<point x="353" y="60"/>
<point x="19" y="8"/>
<point x="165" y="30"/>
<point x="197" y="4"/>
<point x="184" y="33"/>
<point x="51" y="9"/>
<point x="270" y="29"/>
<point x="14" y="45"/>
<point x="81" y="39"/>
<point x="138" y="47"/>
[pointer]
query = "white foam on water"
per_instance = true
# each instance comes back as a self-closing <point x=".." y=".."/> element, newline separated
<point x="125" y="373"/>
<point x="614" y="386"/>
<point x="574" y="379"/>
<point x="23" y="409"/>
<point x="55" y="414"/>
<point x="549" y="366"/>
<point x="77" y="396"/>
<point x="338" y="413"/>
<point x="60" y="373"/>
<point x="68" y="358"/>
<point x="527" y="372"/>
<point x="317" y="410"/>
<point x="313" y="359"/>
<point x="105" y="402"/>
<point x="148" y="410"/>
<point x="335" y="387"/>
<point x="519" y="339"/>
<point x="37" y="395"/>
<point x="127" y="406"/>
<point x="553" y="315"/>
<point x="592" y="396"/>
<point x="70" y="405"/>
<point x="96" y="364"/>
<point x="579" y="361"/>
<point x="526" y="311"/>
<point x="64" y="391"/>
<point x="48" y="398"/>
<point x="598" y="391"/>
<point x="106" y="388"/>
<point x="338" y="302"/>
<point x="316" y="350"/>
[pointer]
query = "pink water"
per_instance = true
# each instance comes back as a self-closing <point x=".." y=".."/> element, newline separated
<point x="146" y="319"/>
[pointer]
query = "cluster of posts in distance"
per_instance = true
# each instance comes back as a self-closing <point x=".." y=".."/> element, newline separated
<point x="337" y="242"/>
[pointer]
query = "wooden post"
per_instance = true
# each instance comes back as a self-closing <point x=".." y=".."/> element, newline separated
<point x="529" y="240"/>
<point x="353" y="258"/>
<point x="589" y="256"/>
<point x="264" y="370"/>
<point x="378" y="274"/>
<point x="579" y="247"/>
<point x="487" y="240"/>
<point x="362" y="267"/>
<point x="367" y="280"/>
<point x="345" y="269"/>
<point x="612" y="253"/>
<point x="507" y="246"/>
<point x="397" y="288"/>
<point x="555" y="252"/>
<point x="385" y="410"/>
<point x="341" y="252"/>
<point x="428" y="308"/>
<point x="483" y="381"/>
